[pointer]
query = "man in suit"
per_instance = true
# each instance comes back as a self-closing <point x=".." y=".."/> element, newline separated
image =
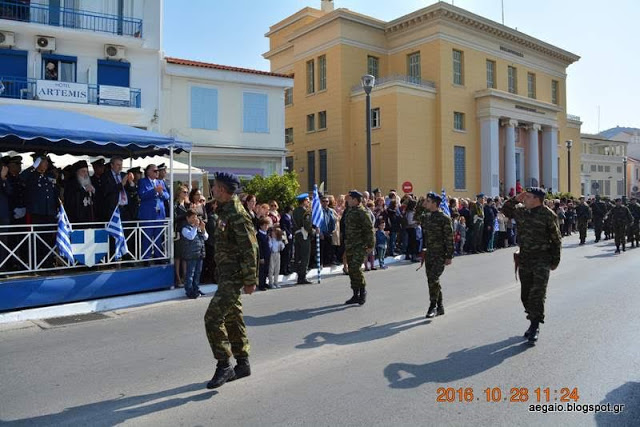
<point x="113" y="191"/>
<point x="153" y="193"/>
<point x="96" y="181"/>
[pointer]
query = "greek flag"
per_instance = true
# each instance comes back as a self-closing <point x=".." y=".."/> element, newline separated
<point x="63" y="236"/>
<point x="317" y="218"/>
<point x="114" y="228"/>
<point x="444" y="204"/>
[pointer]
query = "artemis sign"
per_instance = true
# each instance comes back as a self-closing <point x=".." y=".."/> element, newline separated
<point x="51" y="90"/>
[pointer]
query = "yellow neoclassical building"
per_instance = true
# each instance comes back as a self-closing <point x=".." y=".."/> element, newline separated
<point x="460" y="102"/>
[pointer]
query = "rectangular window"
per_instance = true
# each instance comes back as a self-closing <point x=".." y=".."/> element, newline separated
<point x="607" y="169"/>
<point x="322" y="72"/>
<point x="311" y="122"/>
<point x="600" y="168"/>
<point x="311" y="169"/>
<point x="619" y="169"/>
<point x="311" y="78"/>
<point x="637" y="174"/>
<point x="458" y="73"/>
<point x="413" y="67"/>
<point x="323" y="168"/>
<point x="459" y="167"/>
<point x="59" y="67"/>
<point x="491" y="74"/>
<point x="13" y="73"/>
<point x="513" y="79"/>
<point x="375" y="118"/>
<point x="255" y="112"/>
<point x="554" y="92"/>
<point x="531" y="85"/>
<point x="620" y="186"/>
<point x="113" y="73"/>
<point x="288" y="135"/>
<point x="322" y="120"/>
<point x="288" y="163"/>
<point x="204" y="108"/>
<point x="593" y="168"/>
<point x="607" y="187"/>
<point x="458" y="121"/>
<point x="288" y="96"/>
<point x="372" y="66"/>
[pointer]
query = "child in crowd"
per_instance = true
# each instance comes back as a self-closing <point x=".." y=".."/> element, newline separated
<point x="461" y="231"/>
<point x="264" y="224"/>
<point x="381" y="243"/>
<point x="276" y="244"/>
<point x="195" y="234"/>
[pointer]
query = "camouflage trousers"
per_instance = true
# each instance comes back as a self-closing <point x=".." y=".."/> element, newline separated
<point x="434" y="267"/>
<point x="597" y="227"/>
<point x="582" y="228"/>
<point x="226" y="331"/>
<point x="533" y="290"/>
<point x="633" y="234"/>
<point x="620" y="235"/>
<point x="354" y="262"/>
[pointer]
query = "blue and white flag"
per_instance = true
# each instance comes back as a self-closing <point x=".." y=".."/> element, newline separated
<point x="317" y="218"/>
<point x="444" y="204"/>
<point x="63" y="236"/>
<point x="90" y="245"/>
<point x="496" y="224"/>
<point x="115" y="230"/>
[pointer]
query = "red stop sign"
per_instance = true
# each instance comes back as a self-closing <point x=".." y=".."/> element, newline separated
<point x="407" y="187"/>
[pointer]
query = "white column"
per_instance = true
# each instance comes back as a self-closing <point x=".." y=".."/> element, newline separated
<point x="533" y="157"/>
<point x="490" y="156"/>
<point x="550" y="158"/>
<point x="510" y="156"/>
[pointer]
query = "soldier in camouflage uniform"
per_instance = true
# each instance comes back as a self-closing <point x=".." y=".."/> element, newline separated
<point x="607" y="227"/>
<point x="302" y="229"/>
<point x="236" y="256"/>
<point x="540" y="244"/>
<point x="634" y="230"/>
<point x="621" y="218"/>
<point x="359" y="240"/>
<point x="599" y="210"/>
<point x="437" y="250"/>
<point x="583" y="213"/>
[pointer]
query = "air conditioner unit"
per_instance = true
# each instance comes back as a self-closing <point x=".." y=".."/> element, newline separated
<point x="7" y="39"/>
<point x="112" y="51"/>
<point x="45" y="43"/>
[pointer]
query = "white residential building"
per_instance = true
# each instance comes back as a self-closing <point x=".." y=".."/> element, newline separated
<point x="233" y="116"/>
<point x="99" y="57"/>
<point x="602" y="166"/>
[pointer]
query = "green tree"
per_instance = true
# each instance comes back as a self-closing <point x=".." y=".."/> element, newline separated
<point x="281" y="188"/>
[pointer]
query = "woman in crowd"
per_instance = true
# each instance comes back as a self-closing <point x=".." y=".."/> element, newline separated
<point x="411" y="253"/>
<point x="250" y="206"/>
<point x="273" y="212"/>
<point x="181" y="207"/>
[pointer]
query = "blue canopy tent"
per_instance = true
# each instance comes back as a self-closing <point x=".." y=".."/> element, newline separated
<point x="27" y="128"/>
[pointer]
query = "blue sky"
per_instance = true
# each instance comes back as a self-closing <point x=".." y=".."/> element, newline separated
<point x="604" y="34"/>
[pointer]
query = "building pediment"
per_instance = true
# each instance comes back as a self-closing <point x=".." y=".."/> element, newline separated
<point x="497" y="103"/>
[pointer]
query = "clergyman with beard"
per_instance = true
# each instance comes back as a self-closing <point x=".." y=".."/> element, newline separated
<point x="79" y="194"/>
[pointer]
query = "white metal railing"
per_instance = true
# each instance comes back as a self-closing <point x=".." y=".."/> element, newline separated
<point x="27" y="249"/>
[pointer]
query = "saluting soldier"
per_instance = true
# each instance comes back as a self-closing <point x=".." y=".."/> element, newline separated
<point x="583" y="213"/>
<point x="437" y="250"/>
<point x="359" y="240"/>
<point x="599" y="210"/>
<point x="302" y="227"/>
<point x="540" y="245"/>
<point x="634" y="230"/>
<point x="621" y="218"/>
<point x="236" y="257"/>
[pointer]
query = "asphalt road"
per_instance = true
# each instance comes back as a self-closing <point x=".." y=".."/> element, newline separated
<point x="318" y="362"/>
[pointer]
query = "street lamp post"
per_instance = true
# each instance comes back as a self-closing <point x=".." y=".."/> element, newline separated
<point x="368" y="81"/>
<point x="624" y="170"/>
<point x="569" y="143"/>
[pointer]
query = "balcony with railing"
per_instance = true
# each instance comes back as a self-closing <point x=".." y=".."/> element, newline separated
<point x="398" y="78"/>
<point x="55" y="15"/>
<point x="80" y="93"/>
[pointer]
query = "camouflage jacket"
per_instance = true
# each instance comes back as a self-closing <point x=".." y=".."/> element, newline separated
<point x="583" y="211"/>
<point x="437" y="235"/>
<point x="621" y="216"/>
<point x="301" y="219"/>
<point x="359" y="229"/>
<point x="634" y="208"/>
<point x="538" y="234"/>
<point x="599" y="209"/>
<point x="236" y="247"/>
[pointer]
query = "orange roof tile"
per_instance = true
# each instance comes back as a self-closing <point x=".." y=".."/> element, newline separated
<point x="190" y="63"/>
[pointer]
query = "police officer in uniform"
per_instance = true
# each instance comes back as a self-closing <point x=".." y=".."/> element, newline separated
<point x="359" y="240"/>
<point x="236" y="257"/>
<point x="599" y="210"/>
<point x="540" y="245"/>
<point x="302" y="228"/>
<point x="437" y="250"/>
<point x="583" y="213"/>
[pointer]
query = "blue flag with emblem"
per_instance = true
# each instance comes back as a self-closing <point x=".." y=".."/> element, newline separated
<point x="63" y="236"/>
<point x="90" y="246"/>
<point x="115" y="230"/>
<point x="444" y="204"/>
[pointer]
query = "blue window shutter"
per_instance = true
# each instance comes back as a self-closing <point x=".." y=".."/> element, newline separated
<point x="204" y="108"/>
<point x="13" y="63"/>
<point x="113" y="73"/>
<point x="255" y="112"/>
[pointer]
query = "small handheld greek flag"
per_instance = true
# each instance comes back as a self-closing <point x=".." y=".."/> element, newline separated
<point x="316" y="209"/>
<point x="444" y="204"/>
<point x="114" y="228"/>
<point x="63" y="236"/>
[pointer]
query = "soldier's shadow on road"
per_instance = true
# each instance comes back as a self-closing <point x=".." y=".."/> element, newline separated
<point x="294" y="315"/>
<point x="456" y="366"/>
<point x="609" y="254"/>
<point x="628" y="394"/>
<point x="117" y="410"/>
<point x="367" y="333"/>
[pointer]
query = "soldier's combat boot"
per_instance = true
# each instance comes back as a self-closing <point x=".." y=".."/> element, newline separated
<point x="617" y="249"/>
<point x="242" y="369"/>
<point x="532" y="332"/>
<point x="363" y="296"/>
<point x="440" y="309"/>
<point x="224" y="373"/>
<point x="431" y="313"/>
<point x="624" y="248"/>
<point x="355" y="299"/>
